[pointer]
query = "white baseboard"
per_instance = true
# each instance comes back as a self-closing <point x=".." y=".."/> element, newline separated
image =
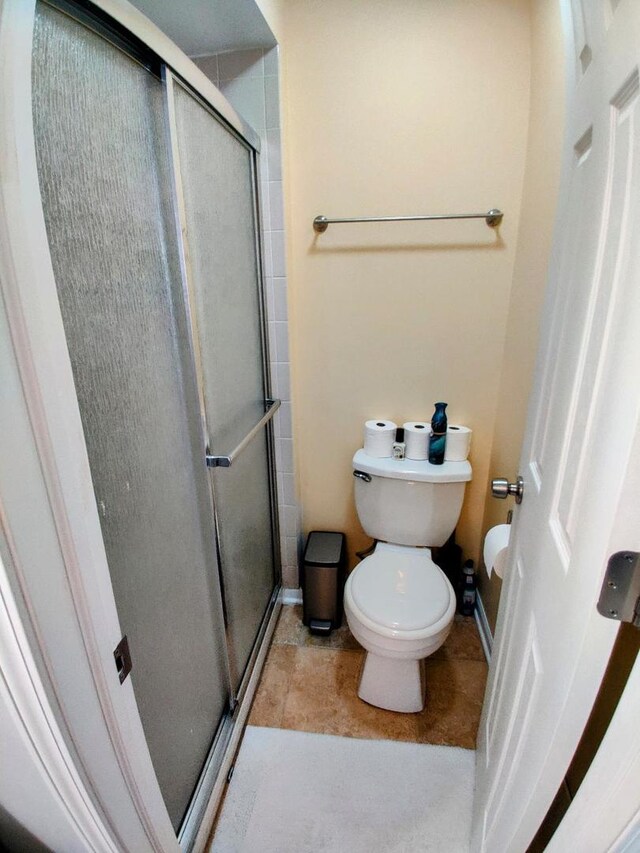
<point x="291" y="596"/>
<point x="486" y="637"/>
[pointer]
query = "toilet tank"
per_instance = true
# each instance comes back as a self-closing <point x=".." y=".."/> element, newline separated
<point x="409" y="502"/>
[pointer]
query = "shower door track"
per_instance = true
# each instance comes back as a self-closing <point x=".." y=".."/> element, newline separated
<point x="200" y="815"/>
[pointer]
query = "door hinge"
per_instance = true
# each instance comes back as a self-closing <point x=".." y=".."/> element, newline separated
<point x="122" y="657"/>
<point x="620" y="593"/>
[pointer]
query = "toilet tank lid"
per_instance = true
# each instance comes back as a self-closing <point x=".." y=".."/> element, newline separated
<point x="411" y="469"/>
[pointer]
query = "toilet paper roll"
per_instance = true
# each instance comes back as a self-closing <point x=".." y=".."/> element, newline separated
<point x="496" y="545"/>
<point x="416" y="439"/>
<point x="458" y="443"/>
<point x="379" y="437"/>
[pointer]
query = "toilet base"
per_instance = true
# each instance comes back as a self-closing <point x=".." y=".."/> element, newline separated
<point x="396" y="685"/>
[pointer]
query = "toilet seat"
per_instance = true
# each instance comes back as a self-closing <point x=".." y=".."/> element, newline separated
<point x="400" y="607"/>
<point x="400" y="593"/>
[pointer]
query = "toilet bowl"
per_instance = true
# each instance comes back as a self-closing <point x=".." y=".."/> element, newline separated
<point x="399" y="604"/>
<point x="400" y="608"/>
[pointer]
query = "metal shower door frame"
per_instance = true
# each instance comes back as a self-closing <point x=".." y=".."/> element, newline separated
<point x="188" y="289"/>
<point x="177" y="70"/>
<point x="107" y="742"/>
<point x="193" y="817"/>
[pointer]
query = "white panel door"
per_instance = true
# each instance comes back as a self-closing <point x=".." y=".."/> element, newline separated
<point x="551" y="644"/>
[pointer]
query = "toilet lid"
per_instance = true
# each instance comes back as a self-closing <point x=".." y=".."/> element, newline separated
<point x="402" y="592"/>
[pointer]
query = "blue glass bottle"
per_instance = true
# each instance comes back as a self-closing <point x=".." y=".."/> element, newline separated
<point x="438" y="437"/>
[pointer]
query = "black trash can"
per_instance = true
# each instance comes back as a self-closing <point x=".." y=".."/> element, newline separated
<point x="323" y="570"/>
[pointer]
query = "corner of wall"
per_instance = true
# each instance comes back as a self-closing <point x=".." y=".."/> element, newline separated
<point x="537" y="217"/>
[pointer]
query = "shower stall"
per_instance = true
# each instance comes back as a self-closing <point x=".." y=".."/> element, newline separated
<point x="149" y="191"/>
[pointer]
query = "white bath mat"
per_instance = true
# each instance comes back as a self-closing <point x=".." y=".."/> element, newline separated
<point x="294" y="792"/>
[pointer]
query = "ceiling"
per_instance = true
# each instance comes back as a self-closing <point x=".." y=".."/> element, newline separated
<point x="201" y="27"/>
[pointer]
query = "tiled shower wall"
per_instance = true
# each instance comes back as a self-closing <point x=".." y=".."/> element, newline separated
<point x="249" y="80"/>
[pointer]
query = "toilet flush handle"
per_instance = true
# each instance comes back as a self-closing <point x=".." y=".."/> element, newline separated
<point x="362" y="476"/>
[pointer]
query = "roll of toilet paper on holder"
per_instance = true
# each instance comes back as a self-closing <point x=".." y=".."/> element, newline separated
<point x="416" y="440"/>
<point x="496" y="546"/>
<point x="379" y="436"/>
<point x="458" y="443"/>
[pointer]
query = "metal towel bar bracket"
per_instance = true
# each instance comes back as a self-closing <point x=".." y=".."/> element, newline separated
<point x="492" y="217"/>
<point x="227" y="461"/>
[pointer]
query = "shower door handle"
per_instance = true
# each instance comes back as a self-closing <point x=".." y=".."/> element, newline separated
<point x="227" y="461"/>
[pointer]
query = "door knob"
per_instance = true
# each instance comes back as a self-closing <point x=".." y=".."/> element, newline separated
<point x="502" y="488"/>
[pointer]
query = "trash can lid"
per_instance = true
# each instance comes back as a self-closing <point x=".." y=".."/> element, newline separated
<point x="324" y="548"/>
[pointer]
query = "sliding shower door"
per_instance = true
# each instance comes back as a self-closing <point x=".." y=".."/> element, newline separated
<point x="107" y="180"/>
<point x="216" y="180"/>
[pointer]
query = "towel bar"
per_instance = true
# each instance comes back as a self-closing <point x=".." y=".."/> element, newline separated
<point x="492" y="217"/>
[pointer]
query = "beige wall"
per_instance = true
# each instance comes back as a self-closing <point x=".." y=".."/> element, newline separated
<point x="394" y="108"/>
<point x="539" y="199"/>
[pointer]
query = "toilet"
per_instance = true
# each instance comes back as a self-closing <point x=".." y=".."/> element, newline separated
<point x="399" y="605"/>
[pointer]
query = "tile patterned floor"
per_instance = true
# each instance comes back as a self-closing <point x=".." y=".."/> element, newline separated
<point x="310" y="684"/>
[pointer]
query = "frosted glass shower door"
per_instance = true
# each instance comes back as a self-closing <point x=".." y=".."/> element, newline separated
<point x="106" y="178"/>
<point x="217" y="185"/>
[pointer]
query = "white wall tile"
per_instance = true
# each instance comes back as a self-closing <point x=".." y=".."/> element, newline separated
<point x="265" y="204"/>
<point x="272" y="102"/>
<point x="289" y="521"/>
<point x="209" y="66"/>
<point x="269" y="292"/>
<point x="290" y="577"/>
<point x="274" y="155"/>
<point x="247" y="96"/>
<point x="263" y="165"/>
<point x="288" y="489"/>
<point x="276" y="205"/>
<point x="280" y="310"/>
<point x="277" y="424"/>
<point x="273" y="346"/>
<point x="241" y="64"/>
<point x="291" y="551"/>
<point x="282" y="341"/>
<point x="282" y="541"/>
<point x="284" y="420"/>
<point x="279" y="269"/>
<point x="267" y="255"/>
<point x="271" y="62"/>
<point x="282" y="381"/>
<point x="286" y="455"/>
